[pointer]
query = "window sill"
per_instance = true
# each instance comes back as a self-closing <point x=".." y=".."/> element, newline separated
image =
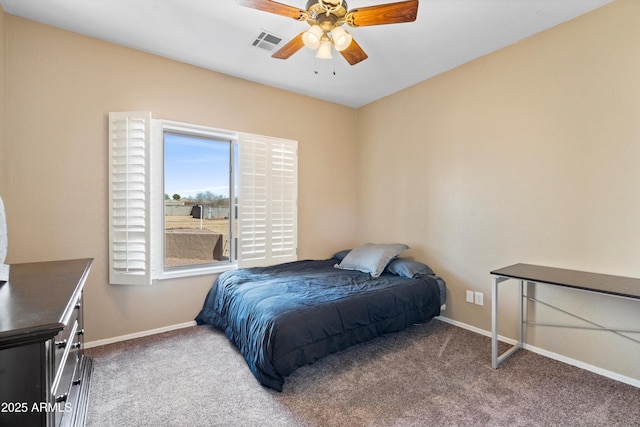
<point x="180" y="273"/>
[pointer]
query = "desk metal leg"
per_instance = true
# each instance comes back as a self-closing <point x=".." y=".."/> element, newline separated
<point x="494" y="322"/>
<point x="495" y="358"/>
<point x="521" y="314"/>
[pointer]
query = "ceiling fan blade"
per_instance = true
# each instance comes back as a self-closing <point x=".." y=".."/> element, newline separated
<point x="290" y="48"/>
<point x="391" y="13"/>
<point x="273" y="7"/>
<point x="354" y="53"/>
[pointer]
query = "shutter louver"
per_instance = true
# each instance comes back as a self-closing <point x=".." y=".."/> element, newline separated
<point x="252" y="215"/>
<point x="267" y="216"/>
<point x="129" y="231"/>
<point x="283" y="199"/>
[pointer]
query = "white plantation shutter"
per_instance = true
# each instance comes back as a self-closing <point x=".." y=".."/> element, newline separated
<point x="267" y="200"/>
<point x="129" y="201"/>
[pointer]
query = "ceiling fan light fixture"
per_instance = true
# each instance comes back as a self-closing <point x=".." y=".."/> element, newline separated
<point x="324" y="51"/>
<point x="341" y="38"/>
<point x="311" y="38"/>
<point x="326" y="16"/>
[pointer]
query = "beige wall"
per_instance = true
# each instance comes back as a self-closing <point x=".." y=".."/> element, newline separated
<point x="61" y="88"/>
<point x="530" y="155"/>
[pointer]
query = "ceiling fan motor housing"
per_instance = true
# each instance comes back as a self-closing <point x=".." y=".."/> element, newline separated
<point x="326" y="11"/>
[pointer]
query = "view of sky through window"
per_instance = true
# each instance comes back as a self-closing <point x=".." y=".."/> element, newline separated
<point x="194" y="164"/>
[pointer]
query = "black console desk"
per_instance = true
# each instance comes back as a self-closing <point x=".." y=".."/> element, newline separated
<point x="625" y="287"/>
<point x="44" y="374"/>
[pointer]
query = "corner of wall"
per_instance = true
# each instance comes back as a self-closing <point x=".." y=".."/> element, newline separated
<point x="3" y="101"/>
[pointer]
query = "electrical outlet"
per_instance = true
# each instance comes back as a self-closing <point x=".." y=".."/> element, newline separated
<point x="479" y="298"/>
<point x="470" y="296"/>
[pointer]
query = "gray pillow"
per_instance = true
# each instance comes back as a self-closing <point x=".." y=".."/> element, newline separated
<point x="408" y="268"/>
<point x="371" y="258"/>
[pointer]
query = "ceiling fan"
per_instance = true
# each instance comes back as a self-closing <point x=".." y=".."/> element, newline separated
<point x="326" y="18"/>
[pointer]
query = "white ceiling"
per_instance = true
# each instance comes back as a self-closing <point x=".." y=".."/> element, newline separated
<point x="218" y="35"/>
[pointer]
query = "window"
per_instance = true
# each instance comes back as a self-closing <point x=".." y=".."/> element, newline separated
<point x="188" y="200"/>
<point x="198" y="192"/>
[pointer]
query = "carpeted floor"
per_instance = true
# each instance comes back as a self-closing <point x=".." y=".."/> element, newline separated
<point x="432" y="374"/>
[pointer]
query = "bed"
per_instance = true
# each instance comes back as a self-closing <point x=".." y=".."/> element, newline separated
<point x="285" y="316"/>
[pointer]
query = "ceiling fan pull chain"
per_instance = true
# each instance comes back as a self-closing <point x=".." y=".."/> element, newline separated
<point x="334" y="64"/>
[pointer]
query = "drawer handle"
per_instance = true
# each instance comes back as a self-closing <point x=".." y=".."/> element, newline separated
<point x="81" y="332"/>
<point x="76" y="345"/>
<point x="78" y="305"/>
<point x="62" y="398"/>
<point x="77" y="382"/>
<point x="61" y="344"/>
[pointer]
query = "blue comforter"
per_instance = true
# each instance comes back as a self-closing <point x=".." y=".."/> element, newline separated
<point x="285" y="316"/>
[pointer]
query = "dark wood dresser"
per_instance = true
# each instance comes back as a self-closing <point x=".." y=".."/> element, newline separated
<point x="44" y="374"/>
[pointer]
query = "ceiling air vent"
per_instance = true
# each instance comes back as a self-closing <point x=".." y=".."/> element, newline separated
<point x="267" y="41"/>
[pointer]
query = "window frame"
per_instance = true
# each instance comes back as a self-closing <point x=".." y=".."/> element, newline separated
<point x="159" y="127"/>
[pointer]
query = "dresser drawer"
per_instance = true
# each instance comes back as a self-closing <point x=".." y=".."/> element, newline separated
<point x="65" y="338"/>
<point x="65" y="365"/>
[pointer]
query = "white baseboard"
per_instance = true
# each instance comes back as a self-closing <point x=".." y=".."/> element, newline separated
<point x="551" y="355"/>
<point x="476" y="329"/>
<point x="141" y="334"/>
